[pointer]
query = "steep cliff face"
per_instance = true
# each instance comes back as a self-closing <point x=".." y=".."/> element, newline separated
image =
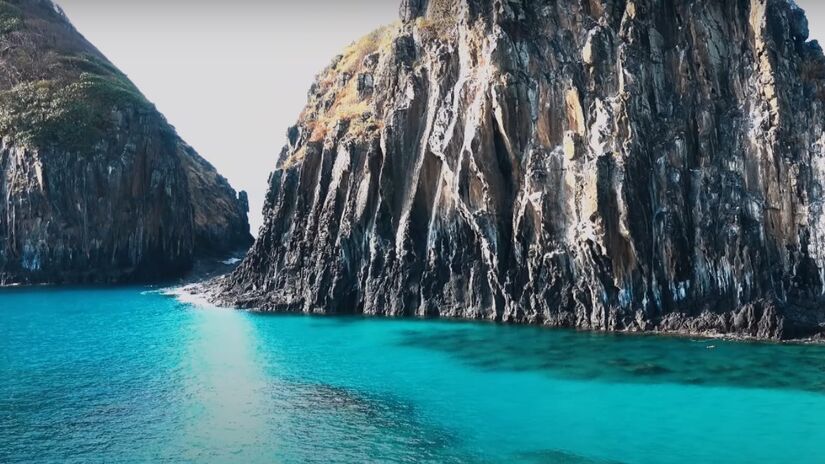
<point x="599" y="164"/>
<point x="96" y="185"/>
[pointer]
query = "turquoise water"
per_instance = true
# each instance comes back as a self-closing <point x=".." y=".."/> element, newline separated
<point x="132" y="376"/>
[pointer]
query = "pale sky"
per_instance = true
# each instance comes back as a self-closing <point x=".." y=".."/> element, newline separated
<point x="232" y="75"/>
<point x="816" y="18"/>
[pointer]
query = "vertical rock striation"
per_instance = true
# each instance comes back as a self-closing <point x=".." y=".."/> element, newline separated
<point x="96" y="186"/>
<point x="640" y="165"/>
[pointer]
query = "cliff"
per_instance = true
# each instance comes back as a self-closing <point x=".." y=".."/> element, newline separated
<point x="627" y="165"/>
<point x="97" y="187"/>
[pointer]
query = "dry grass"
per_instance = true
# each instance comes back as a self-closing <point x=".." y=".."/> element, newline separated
<point x="320" y="118"/>
<point x="376" y="41"/>
<point x="319" y="132"/>
<point x="295" y="157"/>
<point x="435" y="29"/>
<point x="440" y="21"/>
<point x="347" y="107"/>
<point x="335" y="99"/>
<point x="441" y="9"/>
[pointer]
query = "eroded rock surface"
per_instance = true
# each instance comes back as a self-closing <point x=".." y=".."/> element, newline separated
<point x="96" y="186"/>
<point x="639" y="165"/>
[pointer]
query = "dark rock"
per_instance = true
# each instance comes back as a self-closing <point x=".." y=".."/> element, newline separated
<point x="365" y="84"/>
<point x="243" y="199"/>
<point x="97" y="187"/>
<point x="608" y="165"/>
<point x="411" y="9"/>
<point x="370" y="61"/>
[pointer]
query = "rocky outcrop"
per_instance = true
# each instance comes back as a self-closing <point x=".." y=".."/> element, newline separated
<point x="628" y="165"/>
<point x="97" y="187"/>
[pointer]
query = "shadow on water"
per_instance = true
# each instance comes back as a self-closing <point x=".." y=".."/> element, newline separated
<point x="626" y="358"/>
<point x="557" y="457"/>
<point x="344" y="425"/>
<point x="594" y="356"/>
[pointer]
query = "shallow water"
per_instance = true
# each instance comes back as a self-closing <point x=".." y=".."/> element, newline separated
<point x="133" y="376"/>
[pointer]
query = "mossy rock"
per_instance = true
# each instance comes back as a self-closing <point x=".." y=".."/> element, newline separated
<point x="74" y="115"/>
<point x="11" y="18"/>
<point x="91" y="64"/>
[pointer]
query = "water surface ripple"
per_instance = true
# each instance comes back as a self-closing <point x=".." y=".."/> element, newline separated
<point x="127" y="375"/>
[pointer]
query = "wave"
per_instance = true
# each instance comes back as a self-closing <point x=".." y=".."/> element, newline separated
<point x="190" y="295"/>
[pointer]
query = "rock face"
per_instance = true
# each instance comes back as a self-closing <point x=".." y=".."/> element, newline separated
<point x="629" y="165"/>
<point x="97" y="187"/>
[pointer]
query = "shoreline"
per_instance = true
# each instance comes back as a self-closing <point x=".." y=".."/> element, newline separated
<point x="205" y="293"/>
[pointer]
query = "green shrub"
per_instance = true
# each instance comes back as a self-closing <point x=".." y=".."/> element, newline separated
<point x="11" y="18"/>
<point x="73" y="115"/>
<point x="88" y="63"/>
<point x="110" y="91"/>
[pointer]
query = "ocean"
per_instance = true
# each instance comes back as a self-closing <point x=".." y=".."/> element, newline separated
<point x="135" y="375"/>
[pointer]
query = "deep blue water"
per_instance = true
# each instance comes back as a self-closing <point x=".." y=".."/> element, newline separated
<point x="133" y="376"/>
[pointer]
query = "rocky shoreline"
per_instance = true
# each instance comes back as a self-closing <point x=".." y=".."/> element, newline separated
<point x="742" y="325"/>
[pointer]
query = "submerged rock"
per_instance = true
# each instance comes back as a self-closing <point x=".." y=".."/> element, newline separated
<point x="97" y="187"/>
<point x="639" y="165"/>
